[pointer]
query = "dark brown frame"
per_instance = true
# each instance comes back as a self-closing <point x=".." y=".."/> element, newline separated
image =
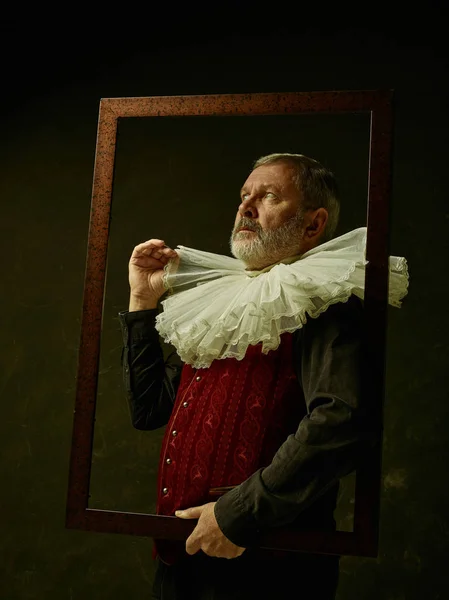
<point x="363" y="540"/>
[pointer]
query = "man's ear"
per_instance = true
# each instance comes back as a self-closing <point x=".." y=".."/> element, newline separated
<point x="317" y="220"/>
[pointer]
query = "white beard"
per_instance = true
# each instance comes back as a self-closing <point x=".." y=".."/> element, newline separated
<point x="261" y="248"/>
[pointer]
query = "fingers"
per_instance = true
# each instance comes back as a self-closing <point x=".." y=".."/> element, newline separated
<point x="155" y="248"/>
<point x="190" y="513"/>
<point x="193" y="543"/>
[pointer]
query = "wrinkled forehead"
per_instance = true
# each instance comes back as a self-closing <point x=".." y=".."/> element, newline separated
<point x="280" y="176"/>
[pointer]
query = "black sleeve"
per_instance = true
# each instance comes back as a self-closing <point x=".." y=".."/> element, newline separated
<point x="329" y="440"/>
<point x="150" y="382"/>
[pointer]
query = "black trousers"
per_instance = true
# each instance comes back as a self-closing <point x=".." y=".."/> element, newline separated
<point x="251" y="576"/>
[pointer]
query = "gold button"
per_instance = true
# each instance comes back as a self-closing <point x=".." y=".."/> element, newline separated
<point x="174" y="432"/>
<point x="198" y="378"/>
<point x="185" y="404"/>
<point x="168" y="461"/>
<point x="165" y="490"/>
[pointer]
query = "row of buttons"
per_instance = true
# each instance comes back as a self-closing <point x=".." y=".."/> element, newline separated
<point x="174" y="434"/>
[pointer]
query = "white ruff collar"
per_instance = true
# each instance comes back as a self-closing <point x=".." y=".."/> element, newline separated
<point x="216" y="309"/>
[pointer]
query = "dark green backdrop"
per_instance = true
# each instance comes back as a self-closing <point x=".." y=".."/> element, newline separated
<point x="188" y="195"/>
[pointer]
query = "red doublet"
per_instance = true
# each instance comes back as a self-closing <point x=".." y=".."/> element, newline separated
<point x="227" y="421"/>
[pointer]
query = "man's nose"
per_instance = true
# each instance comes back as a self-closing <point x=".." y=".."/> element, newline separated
<point x="247" y="208"/>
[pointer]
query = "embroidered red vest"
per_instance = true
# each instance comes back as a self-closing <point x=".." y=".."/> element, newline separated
<point x="227" y="421"/>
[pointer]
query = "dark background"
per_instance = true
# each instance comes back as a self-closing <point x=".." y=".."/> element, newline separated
<point x="55" y="69"/>
<point x="178" y="179"/>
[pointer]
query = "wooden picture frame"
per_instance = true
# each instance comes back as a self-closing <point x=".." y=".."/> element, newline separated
<point x="363" y="540"/>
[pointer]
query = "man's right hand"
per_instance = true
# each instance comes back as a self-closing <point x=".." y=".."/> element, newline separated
<point x="146" y="268"/>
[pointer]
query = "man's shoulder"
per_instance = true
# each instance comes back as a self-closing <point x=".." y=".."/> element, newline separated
<point x="339" y="314"/>
<point x="352" y="308"/>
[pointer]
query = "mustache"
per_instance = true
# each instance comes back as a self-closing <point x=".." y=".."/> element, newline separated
<point x="245" y="223"/>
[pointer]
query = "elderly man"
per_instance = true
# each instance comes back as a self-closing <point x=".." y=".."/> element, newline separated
<point x="263" y="410"/>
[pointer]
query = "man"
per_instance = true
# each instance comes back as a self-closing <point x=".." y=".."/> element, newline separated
<point x="264" y="416"/>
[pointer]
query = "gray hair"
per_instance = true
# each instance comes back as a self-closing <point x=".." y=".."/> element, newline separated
<point x="316" y="183"/>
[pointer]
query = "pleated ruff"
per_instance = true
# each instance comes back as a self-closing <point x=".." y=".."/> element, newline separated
<point x="216" y="309"/>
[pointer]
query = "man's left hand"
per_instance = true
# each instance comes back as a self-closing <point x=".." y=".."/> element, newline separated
<point x="207" y="535"/>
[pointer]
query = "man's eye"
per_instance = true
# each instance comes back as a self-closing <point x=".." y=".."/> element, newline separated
<point x="270" y="195"/>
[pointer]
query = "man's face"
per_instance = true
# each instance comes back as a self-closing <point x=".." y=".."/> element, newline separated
<point x="268" y="226"/>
